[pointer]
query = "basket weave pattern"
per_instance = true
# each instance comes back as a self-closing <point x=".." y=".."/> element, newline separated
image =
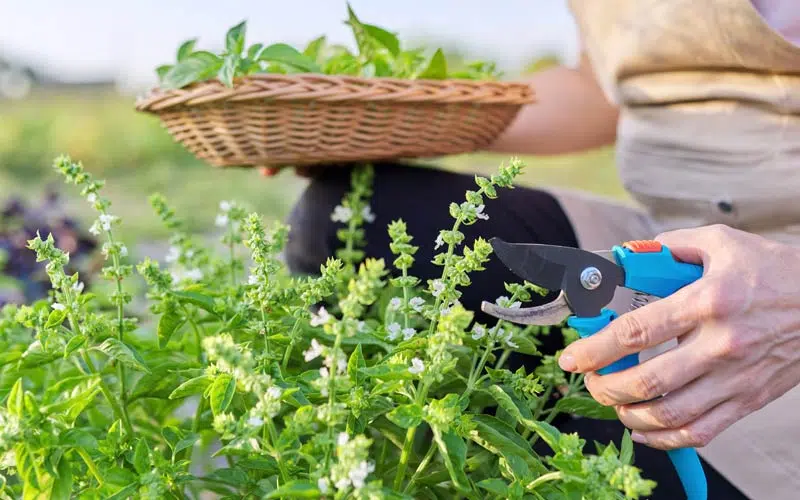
<point x="305" y="119"/>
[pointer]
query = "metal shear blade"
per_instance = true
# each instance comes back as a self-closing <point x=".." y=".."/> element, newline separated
<point x="552" y="313"/>
<point x="558" y="268"/>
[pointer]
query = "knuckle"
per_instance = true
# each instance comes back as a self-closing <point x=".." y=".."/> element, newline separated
<point x="649" y="385"/>
<point x="668" y="416"/>
<point x="699" y="437"/>
<point x="716" y="301"/>
<point x="632" y="334"/>
<point x="732" y="344"/>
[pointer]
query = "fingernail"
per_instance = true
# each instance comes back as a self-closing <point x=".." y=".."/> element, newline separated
<point x="567" y="362"/>
<point x="639" y="438"/>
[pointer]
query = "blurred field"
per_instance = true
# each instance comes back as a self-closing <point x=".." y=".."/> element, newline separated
<point x="137" y="157"/>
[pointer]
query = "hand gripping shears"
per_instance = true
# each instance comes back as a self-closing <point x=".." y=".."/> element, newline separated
<point x="587" y="282"/>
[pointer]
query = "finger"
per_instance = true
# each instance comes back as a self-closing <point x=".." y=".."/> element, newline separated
<point x="696" y="434"/>
<point x="633" y="332"/>
<point x="268" y="171"/>
<point x="667" y="372"/>
<point x="678" y="408"/>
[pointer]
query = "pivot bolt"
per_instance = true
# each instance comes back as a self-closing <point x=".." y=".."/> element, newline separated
<point x="591" y="278"/>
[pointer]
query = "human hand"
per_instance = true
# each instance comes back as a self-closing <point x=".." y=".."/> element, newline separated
<point x="738" y="332"/>
<point x="273" y="171"/>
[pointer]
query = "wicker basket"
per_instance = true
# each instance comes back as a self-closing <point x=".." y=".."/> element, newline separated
<point x="277" y="120"/>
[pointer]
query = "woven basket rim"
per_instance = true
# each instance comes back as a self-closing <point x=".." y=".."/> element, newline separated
<point x="314" y="87"/>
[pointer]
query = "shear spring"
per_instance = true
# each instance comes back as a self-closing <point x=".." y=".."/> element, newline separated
<point x="639" y="299"/>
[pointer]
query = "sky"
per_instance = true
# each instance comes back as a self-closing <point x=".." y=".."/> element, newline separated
<point x="96" y="39"/>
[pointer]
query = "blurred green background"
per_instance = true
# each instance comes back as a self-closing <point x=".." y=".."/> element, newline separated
<point x="97" y="125"/>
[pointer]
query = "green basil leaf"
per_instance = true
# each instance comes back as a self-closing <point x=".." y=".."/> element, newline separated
<point x="15" y="403"/>
<point x="286" y="54"/>
<point x="314" y="48"/>
<point x="453" y="450"/>
<point x="168" y="323"/>
<point x="500" y="436"/>
<point x="388" y="372"/>
<point x="296" y="489"/>
<point x="187" y="442"/>
<point x="119" y="476"/>
<point x="78" y="438"/>
<point x="354" y="364"/>
<point x="203" y="301"/>
<point x="222" y="391"/>
<point x="510" y="404"/>
<point x="228" y="70"/>
<point x="141" y="457"/>
<point x="547" y="432"/>
<point x="186" y="49"/>
<point x="494" y="486"/>
<point x="406" y="416"/>
<point x="436" y="68"/>
<point x="125" y="492"/>
<point x="62" y="483"/>
<point x="196" y="67"/>
<point x="229" y="475"/>
<point x="234" y="38"/>
<point x="123" y="353"/>
<point x="585" y="407"/>
<point x="172" y="436"/>
<point x="158" y="384"/>
<point x="74" y="343"/>
<point x="55" y="318"/>
<point x="383" y="37"/>
<point x="626" y="448"/>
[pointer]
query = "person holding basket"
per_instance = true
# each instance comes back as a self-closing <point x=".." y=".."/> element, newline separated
<point x="702" y="100"/>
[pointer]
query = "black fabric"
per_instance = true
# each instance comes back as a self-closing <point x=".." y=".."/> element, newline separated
<point x="421" y="196"/>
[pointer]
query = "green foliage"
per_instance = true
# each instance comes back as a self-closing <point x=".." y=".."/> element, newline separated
<point x="249" y="382"/>
<point x="379" y="54"/>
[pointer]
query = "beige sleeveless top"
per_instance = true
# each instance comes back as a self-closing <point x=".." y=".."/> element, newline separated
<point x="709" y="132"/>
<point x="710" y="110"/>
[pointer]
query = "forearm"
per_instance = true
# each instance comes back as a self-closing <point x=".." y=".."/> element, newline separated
<point x="571" y="114"/>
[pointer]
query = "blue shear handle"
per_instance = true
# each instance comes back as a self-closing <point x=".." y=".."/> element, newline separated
<point x="685" y="460"/>
<point x="655" y="273"/>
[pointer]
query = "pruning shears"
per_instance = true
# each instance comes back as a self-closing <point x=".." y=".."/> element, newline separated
<point x="587" y="282"/>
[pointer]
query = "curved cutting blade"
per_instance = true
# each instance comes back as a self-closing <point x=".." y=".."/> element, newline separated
<point x="559" y="268"/>
<point x="552" y="313"/>
<point x="525" y="261"/>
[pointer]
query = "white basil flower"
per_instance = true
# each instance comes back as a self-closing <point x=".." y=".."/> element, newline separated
<point x="366" y="214"/>
<point x="320" y="318"/>
<point x="173" y="254"/>
<point x="342" y="214"/>
<point x="439" y="241"/>
<point x="417" y="366"/>
<point x="438" y="287"/>
<point x="194" y="274"/>
<point x="359" y="473"/>
<point x="314" y="351"/>
<point x="394" y="331"/>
